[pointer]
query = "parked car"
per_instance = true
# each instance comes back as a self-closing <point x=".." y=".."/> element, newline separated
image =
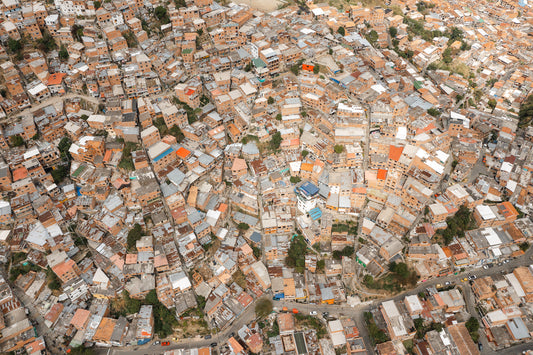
<point x="208" y="336"/>
<point x="485" y="267"/>
<point x="157" y="342"/>
<point x="447" y="283"/>
<point x="472" y="277"/>
<point x="214" y="345"/>
<point x="313" y="313"/>
<point x="165" y="343"/>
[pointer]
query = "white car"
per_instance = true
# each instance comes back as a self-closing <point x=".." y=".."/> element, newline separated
<point x="313" y="313"/>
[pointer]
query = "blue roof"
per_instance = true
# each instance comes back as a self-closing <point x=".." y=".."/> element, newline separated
<point x="315" y="213"/>
<point x="164" y="154"/>
<point x="308" y="188"/>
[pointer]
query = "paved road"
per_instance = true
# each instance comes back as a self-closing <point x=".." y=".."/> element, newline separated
<point x="356" y="312"/>
<point x="245" y="318"/>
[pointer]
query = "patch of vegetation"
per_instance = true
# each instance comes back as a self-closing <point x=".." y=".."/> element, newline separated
<point x="350" y="227"/>
<point x="473" y="326"/>
<point x="22" y="270"/>
<point x="341" y="31"/>
<point x="164" y="319"/>
<point x="346" y="251"/>
<point x="257" y="252"/>
<point x="63" y="53"/>
<point x="243" y="226"/>
<point x="338" y="148"/>
<point x="525" y="115"/>
<point x="377" y="335"/>
<point x="130" y="39"/>
<point x="295" y="179"/>
<point x="239" y="278"/>
<point x="16" y="141"/>
<point x="434" y="112"/>
<point x="47" y="43"/>
<point x="60" y="173"/>
<point x="304" y="153"/>
<point x="177" y="133"/>
<point x="457" y="225"/>
<point x="311" y="322"/>
<point x="134" y="235"/>
<point x="263" y="307"/>
<point x="54" y="283"/>
<point x="161" y="14"/>
<point x="274" y="331"/>
<point x="422" y="329"/>
<point x="296" y="254"/>
<point x="275" y="142"/>
<point x="126" y="162"/>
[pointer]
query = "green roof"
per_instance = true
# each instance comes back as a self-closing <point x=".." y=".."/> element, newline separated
<point x="186" y="51"/>
<point x="418" y="85"/>
<point x="79" y="171"/>
<point x="258" y="63"/>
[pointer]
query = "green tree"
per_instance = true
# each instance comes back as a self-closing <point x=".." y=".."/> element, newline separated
<point x="295" y="179"/>
<point x="47" y="43"/>
<point x="161" y="14"/>
<point x="243" y="226"/>
<point x="393" y="31"/>
<point x="60" y="173"/>
<point x="492" y="103"/>
<point x="321" y="264"/>
<point x="263" y="307"/>
<point x="433" y="112"/>
<point x="16" y="141"/>
<point x="316" y="69"/>
<point x="176" y="132"/>
<point x="524" y="246"/>
<point x="338" y="148"/>
<point x="372" y="37"/>
<point x="77" y="32"/>
<point x="63" y="53"/>
<point x="13" y="45"/>
<point x="296" y="254"/>
<point x="341" y="31"/>
<point x="279" y="117"/>
<point x="304" y="153"/>
<point x="134" y="235"/>
<point x="295" y="69"/>
<point x="275" y="142"/>
<point x="270" y="100"/>
<point x="97" y="5"/>
<point x="132" y="305"/>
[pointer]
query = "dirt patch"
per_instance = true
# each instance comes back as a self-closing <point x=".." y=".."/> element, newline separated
<point x="263" y="5"/>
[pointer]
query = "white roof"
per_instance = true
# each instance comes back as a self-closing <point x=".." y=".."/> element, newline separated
<point x="516" y="285"/>
<point x="100" y="277"/>
<point x="37" y="89"/>
<point x="414" y="303"/>
<point x="4" y="234"/>
<point x="507" y="167"/>
<point x="180" y="281"/>
<point x="402" y="133"/>
<point x="485" y="212"/>
<point x="443" y="157"/>
<point x="435" y="166"/>
<point x="156" y="149"/>
<point x="491" y="236"/>
<point x="422" y="154"/>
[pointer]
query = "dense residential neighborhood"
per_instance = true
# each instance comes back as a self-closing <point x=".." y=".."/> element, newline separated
<point x="194" y="177"/>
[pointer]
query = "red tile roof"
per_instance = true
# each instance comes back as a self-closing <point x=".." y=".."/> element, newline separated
<point x="395" y="152"/>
